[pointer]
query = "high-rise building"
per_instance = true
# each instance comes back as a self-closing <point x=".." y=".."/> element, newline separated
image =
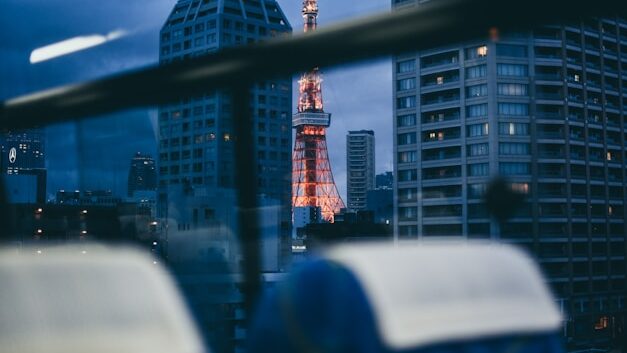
<point x="196" y="162"/>
<point x="312" y="179"/>
<point x="196" y="142"/>
<point x="23" y="166"/>
<point x="360" y="167"/>
<point x="142" y="175"/>
<point x="546" y="110"/>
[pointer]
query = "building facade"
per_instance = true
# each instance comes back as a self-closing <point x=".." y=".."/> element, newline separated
<point x="546" y="110"/>
<point x="142" y="175"/>
<point x="196" y="142"/>
<point x="384" y="180"/>
<point x="23" y="165"/>
<point x="360" y="167"/>
<point x="196" y="176"/>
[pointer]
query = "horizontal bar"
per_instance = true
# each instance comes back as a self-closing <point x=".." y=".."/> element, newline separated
<point x="435" y="23"/>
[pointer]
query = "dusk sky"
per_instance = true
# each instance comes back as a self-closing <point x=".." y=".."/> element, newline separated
<point x="359" y="97"/>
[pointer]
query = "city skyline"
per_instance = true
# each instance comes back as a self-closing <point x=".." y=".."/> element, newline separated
<point x="86" y="146"/>
<point x="517" y="138"/>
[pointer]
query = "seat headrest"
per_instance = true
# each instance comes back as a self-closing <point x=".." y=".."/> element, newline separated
<point x="426" y="293"/>
<point x="94" y="300"/>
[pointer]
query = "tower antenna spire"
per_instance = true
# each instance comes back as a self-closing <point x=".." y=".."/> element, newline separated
<point x="312" y="179"/>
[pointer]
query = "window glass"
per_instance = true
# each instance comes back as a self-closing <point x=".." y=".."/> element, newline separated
<point x="407" y="175"/>
<point x="512" y="129"/>
<point x="477" y="110"/>
<point x="476" y="91"/>
<point x="476" y="71"/>
<point x="406" y="84"/>
<point x="476" y="130"/>
<point x="476" y="191"/>
<point x="478" y="149"/>
<point x="406" y="102"/>
<point x="478" y="169"/>
<point x="513" y="109"/>
<point x="406" y="138"/>
<point x="406" y="66"/>
<point x="513" y="148"/>
<point x="476" y="52"/>
<point x="512" y="89"/>
<point x="406" y="120"/>
<point x="407" y="157"/>
<point x="514" y="70"/>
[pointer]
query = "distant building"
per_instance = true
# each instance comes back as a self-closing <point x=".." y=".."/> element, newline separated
<point x="381" y="204"/>
<point x="87" y="197"/>
<point x="142" y="175"/>
<point x="306" y="215"/>
<point x="202" y="224"/>
<point x="74" y="223"/>
<point x="348" y="226"/>
<point x="360" y="167"/>
<point x="23" y="166"/>
<point x="384" y="180"/>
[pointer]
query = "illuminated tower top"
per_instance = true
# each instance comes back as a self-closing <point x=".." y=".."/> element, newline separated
<point x="310" y="107"/>
<point x="310" y="14"/>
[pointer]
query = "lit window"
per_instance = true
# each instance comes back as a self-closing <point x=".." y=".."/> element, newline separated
<point x="432" y="135"/>
<point x="576" y="77"/>
<point x="440" y="80"/>
<point x="522" y="188"/>
<point x="602" y="323"/>
<point x="482" y="51"/>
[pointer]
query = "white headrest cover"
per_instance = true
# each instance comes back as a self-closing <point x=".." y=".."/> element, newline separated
<point x="71" y="300"/>
<point x="436" y="293"/>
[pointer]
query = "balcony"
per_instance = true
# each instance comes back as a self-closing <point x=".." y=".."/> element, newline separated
<point x="549" y="96"/>
<point x="439" y="60"/>
<point x="441" y="154"/>
<point x="439" y="79"/>
<point x="440" y="116"/>
<point x="440" y="97"/>
<point x="548" y="77"/>
<point x="441" y="135"/>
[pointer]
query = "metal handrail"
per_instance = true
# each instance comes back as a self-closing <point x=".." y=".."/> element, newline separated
<point x="428" y="25"/>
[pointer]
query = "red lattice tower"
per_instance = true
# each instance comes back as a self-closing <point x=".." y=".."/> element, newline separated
<point x="312" y="179"/>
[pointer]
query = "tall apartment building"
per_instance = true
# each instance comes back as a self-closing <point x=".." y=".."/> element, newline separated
<point x="547" y="110"/>
<point x="360" y="167"/>
<point x="196" y="162"/>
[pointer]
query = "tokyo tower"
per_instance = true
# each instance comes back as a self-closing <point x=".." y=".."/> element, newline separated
<point x="312" y="179"/>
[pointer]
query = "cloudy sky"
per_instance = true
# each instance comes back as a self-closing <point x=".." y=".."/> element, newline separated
<point x="96" y="153"/>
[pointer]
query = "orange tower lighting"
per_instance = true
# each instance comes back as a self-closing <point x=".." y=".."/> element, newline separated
<point x="312" y="179"/>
